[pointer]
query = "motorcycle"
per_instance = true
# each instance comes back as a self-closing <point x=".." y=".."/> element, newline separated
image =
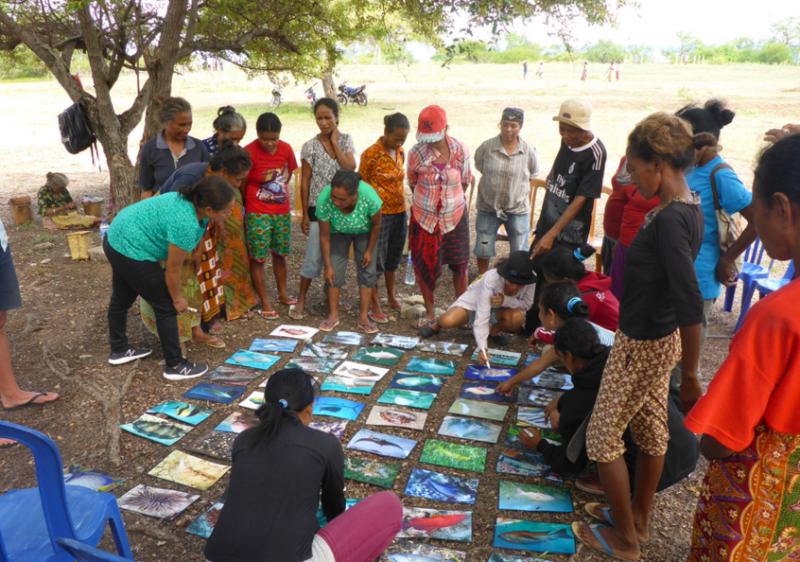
<point x="349" y="94"/>
<point x="311" y="96"/>
<point x="276" y="98"/>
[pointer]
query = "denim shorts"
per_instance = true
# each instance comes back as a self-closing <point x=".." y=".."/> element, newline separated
<point x="517" y="227"/>
<point x="9" y="286"/>
<point x="312" y="263"/>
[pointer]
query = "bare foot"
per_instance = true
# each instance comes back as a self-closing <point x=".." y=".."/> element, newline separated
<point x="28" y="397"/>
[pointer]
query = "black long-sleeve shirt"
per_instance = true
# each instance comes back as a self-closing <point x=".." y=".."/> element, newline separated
<point x="271" y="502"/>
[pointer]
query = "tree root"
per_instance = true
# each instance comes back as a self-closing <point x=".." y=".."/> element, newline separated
<point x="152" y="532"/>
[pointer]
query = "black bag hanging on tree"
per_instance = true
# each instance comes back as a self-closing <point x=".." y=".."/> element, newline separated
<point x="76" y="132"/>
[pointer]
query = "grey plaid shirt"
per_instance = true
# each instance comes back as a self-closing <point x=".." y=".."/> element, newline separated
<point x="504" y="188"/>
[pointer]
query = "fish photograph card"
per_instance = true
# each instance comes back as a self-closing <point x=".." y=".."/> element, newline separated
<point x="181" y="411"/>
<point x="313" y="364"/>
<point x="470" y="428"/>
<point x="531" y="416"/>
<point x="216" y="444"/>
<point x="156" y="502"/>
<point x="214" y="393"/>
<point x="412" y="551"/>
<point x="485" y="391"/>
<point x="526" y="463"/>
<point x="522" y="496"/>
<point x="478" y="409"/>
<point x="377" y="473"/>
<point x="553" y="379"/>
<point x="430" y="366"/>
<point x="353" y="385"/>
<point x="294" y="332"/>
<point x="500" y="357"/>
<point x="232" y="375"/>
<point x="157" y="429"/>
<point x="443" y="347"/>
<point x="382" y="444"/>
<point x="417" y="381"/>
<point x="533" y="536"/>
<point x="344" y="338"/>
<point x="410" y="398"/>
<point x="203" y="526"/>
<point x="76" y="475"/>
<point x="502" y="557"/>
<point x="323" y="350"/>
<point x="253" y="359"/>
<point x="493" y="374"/>
<point x="254" y="401"/>
<point x="396" y="417"/>
<point x="387" y="356"/>
<point x="273" y="345"/>
<point x="427" y="523"/>
<point x="453" y="455"/>
<point x="237" y="422"/>
<point x="394" y="340"/>
<point x="540" y="397"/>
<point x="360" y="371"/>
<point x="335" y="428"/>
<point x="337" y="407"/>
<point x="440" y="487"/>
<point x="189" y="470"/>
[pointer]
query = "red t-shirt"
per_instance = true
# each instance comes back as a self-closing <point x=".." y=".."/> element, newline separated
<point x="612" y="215"/>
<point x="267" y="191"/>
<point x="760" y="378"/>
<point x="603" y="306"/>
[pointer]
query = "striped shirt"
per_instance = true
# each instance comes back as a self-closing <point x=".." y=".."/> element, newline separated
<point x="438" y="193"/>
<point x="504" y="188"/>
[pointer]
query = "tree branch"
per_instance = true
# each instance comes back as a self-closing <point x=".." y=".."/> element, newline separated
<point x="131" y="117"/>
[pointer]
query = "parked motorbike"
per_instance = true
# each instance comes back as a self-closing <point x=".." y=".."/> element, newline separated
<point x="311" y="96"/>
<point x="350" y="94"/>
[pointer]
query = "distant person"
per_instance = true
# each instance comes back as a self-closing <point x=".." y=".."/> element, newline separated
<point x="774" y="135"/>
<point x="585" y="71"/>
<point x="228" y="125"/>
<point x="610" y="71"/>
<point x="524" y="69"/>
<point x="53" y="197"/>
<point x="618" y="69"/>
<point x="540" y="70"/>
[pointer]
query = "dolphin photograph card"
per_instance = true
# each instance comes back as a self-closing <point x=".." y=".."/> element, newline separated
<point x="453" y="455"/>
<point x="500" y="357"/>
<point x="430" y="366"/>
<point x="203" y="526"/>
<point x="189" y="470"/>
<point x="485" y="391"/>
<point x="273" y="345"/>
<point x="232" y="375"/>
<point x="470" y="428"/>
<point x="156" y="502"/>
<point x="443" y="347"/>
<point x="344" y="338"/>
<point x="526" y="463"/>
<point x="335" y="428"/>
<point x="294" y="332"/>
<point x="382" y="444"/>
<point x="377" y="473"/>
<point x="360" y="371"/>
<point x="531" y="416"/>
<point x="441" y="487"/>
<point x="426" y="523"/>
<point x="214" y="393"/>
<point x="313" y="364"/>
<point x="216" y="444"/>
<point x="540" y="397"/>
<point x="77" y="475"/>
<point x="254" y="401"/>
<point x="396" y="417"/>
<point x="417" y="381"/>
<point x="322" y="350"/>
<point x="412" y="551"/>
<point x="337" y="407"/>
<point x="522" y="496"/>
<point x="553" y="379"/>
<point x="353" y="385"/>
<point x="252" y="359"/>
<point x="394" y="340"/>
<point x="157" y="429"/>
<point x="533" y="536"/>
<point x="410" y="398"/>
<point x="387" y="356"/>
<point x="478" y="409"/>
<point x="237" y="422"/>
<point x="181" y="411"/>
<point x="493" y="374"/>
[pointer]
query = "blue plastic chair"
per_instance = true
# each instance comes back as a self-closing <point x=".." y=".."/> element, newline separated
<point x="751" y="271"/>
<point x="764" y="287"/>
<point x="33" y="520"/>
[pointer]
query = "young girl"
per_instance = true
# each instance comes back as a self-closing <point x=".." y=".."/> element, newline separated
<point x="282" y="470"/>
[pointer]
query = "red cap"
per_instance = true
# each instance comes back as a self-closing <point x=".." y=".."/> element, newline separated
<point x="431" y="124"/>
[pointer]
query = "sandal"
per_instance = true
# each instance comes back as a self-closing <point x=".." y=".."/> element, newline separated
<point x="395" y="305"/>
<point x="294" y="314"/>
<point x="602" y="513"/>
<point x="328" y="325"/>
<point x="368" y="328"/>
<point x="268" y="314"/>
<point x="601" y="545"/>
<point x="590" y="483"/>
<point x="378" y="317"/>
<point x="291" y="301"/>
<point x="32" y="402"/>
<point x="7" y="443"/>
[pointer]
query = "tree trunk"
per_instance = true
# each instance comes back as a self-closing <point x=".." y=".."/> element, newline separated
<point x="328" y="85"/>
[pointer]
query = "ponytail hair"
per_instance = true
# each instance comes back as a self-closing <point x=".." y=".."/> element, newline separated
<point x="210" y="191"/>
<point x="562" y="263"/>
<point x="395" y="121"/>
<point x="288" y="392"/>
<point x="229" y="120"/>
<point x="563" y="298"/>
<point x="578" y="337"/>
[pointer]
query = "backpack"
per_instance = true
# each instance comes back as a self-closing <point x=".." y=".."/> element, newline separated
<point x="728" y="228"/>
<point x="76" y="132"/>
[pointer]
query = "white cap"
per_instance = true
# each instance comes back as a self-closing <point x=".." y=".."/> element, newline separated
<point x="576" y="112"/>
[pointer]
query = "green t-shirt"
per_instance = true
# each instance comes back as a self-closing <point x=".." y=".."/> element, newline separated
<point x="143" y="231"/>
<point x="357" y="221"/>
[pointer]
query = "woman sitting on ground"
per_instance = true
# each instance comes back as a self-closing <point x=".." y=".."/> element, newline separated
<point x="282" y="470"/>
<point x="56" y="206"/>
<point x="495" y="303"/>
<point x="349" y="214"/>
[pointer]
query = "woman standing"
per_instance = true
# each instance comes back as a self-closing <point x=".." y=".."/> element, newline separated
<point x="438" y="175"/>
<point x="748" y="504"/>
<point x="164" y="228"/>
<point x="321" y="157"/>
<point x="383" y="167"/>
<point x="228" y="125"/>
<point x="171" y="148"/>
<point x="507" y="164"/>
<point x="661" y="301"/>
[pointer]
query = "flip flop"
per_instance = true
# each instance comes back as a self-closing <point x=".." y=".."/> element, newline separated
<point x="368" y="328"/>
<point x="268" y="314"/>
<point x="602" y="544"/>
<point x="328" y="326"/>
<point x="11" y="443"/>
<point x="214" y="342"/>
<point x="379" y="318"/>
<point x="395" y="306"/>
<point x="31" y="402"/>
<point x="290" y="302"/>
<point x="294" y="315"/>
<point x="600" y="512"/>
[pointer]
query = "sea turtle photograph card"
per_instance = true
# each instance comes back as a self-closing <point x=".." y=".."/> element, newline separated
<point x="500" y="357"/>
<point x="453" y="455"/>
<point x="417" y="381"/>
<point x="360" y="371"/>
<point x="478" y="409"/>
<point x="485" y="391"/>
<point x="531" y="416"/>
<point x="337" y="407"/>
<point x="273" y="345"/>
<point x="430" y="366"/>
<point x="394" y="340"/>
<point x="181" y="411"/>
<point x="396" y="417"/>
<point x="522" y="496"/>
<point x="189" y="470"/>
<point x="536" y="396"/>
<point x="470" y="428"/>
<point x="502" y="557"/>
<point x="493" y="374"/>
<point x="325" y="350"/>
<point x="77" y="475"/>
<point x="335" y="383"/>
<point x="427" y="523"/>
<point x="443" y="347"/>
<point x="253" y="359"/>
<point x="156" y="502"/>
<point x="440" y="487"/>
<point x="512" y="436"/>
<point x="254" y="401"/>
<point x="388" y="356"/>
<point x="232" y="375"/>
<point x="526" y="463"/>
<point x="382" y="444"/>
<point x="344" y="338"/>
<point x="410" y="398"/>
<point x="533" y="536"/>
<point x="237" y="422"/>
<point x="214" y="393"/>
<point x="313" y="364"/>
<point x="412" y="551"/>
<point x="377" y="473"/>
<point x="154" y="428"/>
<point x="216" y="444"/>
<point x="294" y="332"/>
<point x="553" y="379"/>
<point x="203" y="526"/>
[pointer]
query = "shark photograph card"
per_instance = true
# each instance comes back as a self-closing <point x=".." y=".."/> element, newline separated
<point x="253" y="359"/>
<point x="443" y="347"/>
<point x="189" y="470"/>
<point x="426" y="523"/>
<point x="313" y="364"/>
<point x="156" y="502"/>
<point x="410" y="398"/>
<point x="412" y="551"/>
<point x="522" y="496"/>
<point x="500" y="357"/>
<point x="216" y="444"/>
<point x="360" y="371"/>
<point x="273" y="345"/>
<point x="382" y="444"/>
<point x="478" y="409"/>
<point x="377" y="473"/>
<point x="441" y="487"/>
<point x="453" y="455"/>
<point x="294" y="332"/>
<point x="540" y="397"/>
<point x="203" y="526"/>
<point x="387" y="356"/>
<point x="335" y="383"/>
<point x="485" y="391"/>
<point x="335" y="428"/>
<point x="337" y="407"/>
<point x="254" y="401"/>
<point x="181" y="411"/>
<point x="531" y="416"/>
<point x="329" y="351"/>
<point x="396" y="417"/>
<point x="154" y="428"/>
<point x="493" y="374"/>
<point x="232" y="375"/>
<point x="214" y="393"/>
<point x="77" y="475"/>
<point x="430" y="366"/>
<point x="533" y="536"/>
<point x="417" y="381"/>
<point x="237" y="422"/>
<point x="470" y="428"/>
<point x="394" y="340"/>
<point x="526" y="463"/>
<point x="344" y="338"/>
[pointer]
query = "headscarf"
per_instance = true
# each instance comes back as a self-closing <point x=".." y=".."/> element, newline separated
<point x="514" y="114"/>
